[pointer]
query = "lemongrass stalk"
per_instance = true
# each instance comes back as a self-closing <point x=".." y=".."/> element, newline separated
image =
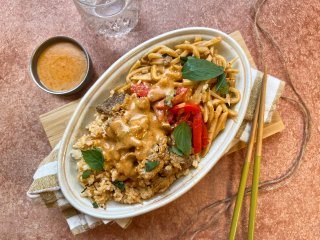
<point x="244" y="175"/>
<point x="257" y="159"/>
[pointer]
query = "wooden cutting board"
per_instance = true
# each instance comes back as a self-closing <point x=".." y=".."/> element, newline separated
<point x="55" y="121"/>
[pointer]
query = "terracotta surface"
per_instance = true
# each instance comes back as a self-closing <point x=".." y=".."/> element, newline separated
<point x="292" y="212"/>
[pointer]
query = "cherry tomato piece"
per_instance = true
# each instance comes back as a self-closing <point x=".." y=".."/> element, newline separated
<point x="140" y="89"/>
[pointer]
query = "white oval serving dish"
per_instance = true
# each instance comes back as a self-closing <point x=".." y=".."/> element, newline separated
<point x="112" y="77"/>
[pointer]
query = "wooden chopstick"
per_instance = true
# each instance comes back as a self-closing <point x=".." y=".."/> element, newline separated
<point x="257" y="159"/>
<point x="245" y="168"/>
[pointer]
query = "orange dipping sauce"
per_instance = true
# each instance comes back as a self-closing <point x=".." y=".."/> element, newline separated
<point x="62" y="66"/>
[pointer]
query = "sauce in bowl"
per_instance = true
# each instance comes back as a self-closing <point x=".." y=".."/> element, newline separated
<point x="62" y="66"/>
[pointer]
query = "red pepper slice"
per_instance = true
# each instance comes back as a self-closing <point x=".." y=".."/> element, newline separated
<point x="140" y="89"/>
<point x="187" y="107"/>
<point x="184" y="117"/>
<point x="205" y="137"/>
<point x="197" y="132"/>
<point x="170" y="118"/>
<point x="189" y="111"/>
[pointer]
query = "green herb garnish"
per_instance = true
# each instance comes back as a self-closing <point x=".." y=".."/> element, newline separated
<point x="149" y="166"/>
<point x="94" y="158"/>
<point x="222" y="85"/>
<point x="200" y="69"/>
<point x="86" y="174"/>
<point x="183" y="137"/>
<point x="175" y="150"/>
<point x="119" y="184"/>
<point x="95" y="205"/>
<point x="169" y="97"/>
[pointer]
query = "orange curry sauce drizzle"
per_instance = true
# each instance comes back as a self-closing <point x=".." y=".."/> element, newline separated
<point x="62" y="66"/>
<point x="129" y="137"/>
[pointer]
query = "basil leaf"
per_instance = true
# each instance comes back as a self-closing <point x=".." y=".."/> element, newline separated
<point x="95" y="205"/>
<point x="222" y="85"/>
<point x="119" y="184"/>
<point x="86" y="174"/>
<point x="175" y="150"/>
<point x="149" y="166"/>
<point x="183" y="138"/>
<point x="94" y="158"/>
<point x="200" y="69"/>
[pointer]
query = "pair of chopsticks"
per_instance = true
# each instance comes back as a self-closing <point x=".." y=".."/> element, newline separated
<point x="257" y="125"/>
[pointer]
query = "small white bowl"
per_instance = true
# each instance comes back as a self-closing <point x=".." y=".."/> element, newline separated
<point x="112" y="77"/>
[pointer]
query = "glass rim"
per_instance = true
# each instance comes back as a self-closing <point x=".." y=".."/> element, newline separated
<point x="96" y="5"/>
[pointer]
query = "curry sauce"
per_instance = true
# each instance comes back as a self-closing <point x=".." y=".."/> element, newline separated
<point x="128" y="138"/>
<point x="62" y="66"/>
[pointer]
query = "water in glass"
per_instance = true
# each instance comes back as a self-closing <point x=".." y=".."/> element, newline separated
<point x="109" y="17"/>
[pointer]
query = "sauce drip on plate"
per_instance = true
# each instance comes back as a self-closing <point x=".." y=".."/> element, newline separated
<point x="62" y="66"/>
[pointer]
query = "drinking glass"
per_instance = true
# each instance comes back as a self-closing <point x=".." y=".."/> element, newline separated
<point x="109" y="17"/>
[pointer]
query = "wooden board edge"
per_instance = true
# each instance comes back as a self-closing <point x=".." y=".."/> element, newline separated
<point x="269" y="130"/>
<point x="239" y="39"/>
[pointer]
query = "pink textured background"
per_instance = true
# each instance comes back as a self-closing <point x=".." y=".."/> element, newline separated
<point x="293" y="212"/>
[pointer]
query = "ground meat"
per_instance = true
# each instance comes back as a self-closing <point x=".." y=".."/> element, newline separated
<point x="181" y="163"/>
<point x="167" y="171"/>
<point x="161" y="184"/>
<point x="160" y="153"/>
<point x="146" y="193"/>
